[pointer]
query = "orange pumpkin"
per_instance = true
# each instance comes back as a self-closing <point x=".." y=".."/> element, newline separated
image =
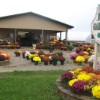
<point x="7" y="55"/>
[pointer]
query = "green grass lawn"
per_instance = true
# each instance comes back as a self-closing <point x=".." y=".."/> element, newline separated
<point x="36" y="85"/>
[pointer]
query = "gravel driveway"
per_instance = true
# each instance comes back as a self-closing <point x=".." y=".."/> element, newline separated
<point x="20" y="64"/>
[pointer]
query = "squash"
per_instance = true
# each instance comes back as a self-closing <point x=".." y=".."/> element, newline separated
<point x="7" y="55"/>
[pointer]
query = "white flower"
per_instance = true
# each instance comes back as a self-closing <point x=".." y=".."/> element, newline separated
<point x="27" y="53"/>
<point x="91" y="58"/>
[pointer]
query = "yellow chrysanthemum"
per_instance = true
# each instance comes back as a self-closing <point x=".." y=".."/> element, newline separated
<point x="37" y="59"/>
<point x="71" y="82"/>
<point x="96" y="91"/>
<point x="31" y="55"/>
<point x="84" y="77"/>
<point x="72" y="72"/>
<point x="86" y="53"/>
<point x="88" y="49"/>
<point x="79" y="59"/>
<point x="77" y="70"/>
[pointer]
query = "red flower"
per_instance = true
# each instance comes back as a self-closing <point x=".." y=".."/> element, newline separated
<point x="61" y="58"/>
<point x="46" y="58"/>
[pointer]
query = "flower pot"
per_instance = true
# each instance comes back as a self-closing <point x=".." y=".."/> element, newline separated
<point x="74" y="61"/>
<point x="91" y="64"/>
<point x="23" y="55"/>
<point x="17" y="55"/>
<point x="50" y="61"/>
<point x="54" y="63"/>
<point x="45" y="63"/>
<point x="27" y="57"/>
<point x="2" y="59"/>
<point x="62" y="62"/>
<point x="35" y="62"/>
<point x="32" y="60"/>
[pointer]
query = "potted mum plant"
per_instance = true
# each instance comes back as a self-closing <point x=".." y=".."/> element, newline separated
<point x="73" y="55"/>
<point x="2" y="58"/>
<point x="55" y="58"/>
<point x="61" y="59"/>
<point x="36" y="60"/>
<point x="79" y="59"/>
<point x="23" y="54"/>
<point x="27" y="53"/>
<point x="90" y="60"/>
<point x="17" y="53"/>
<point x="46" y="59"/>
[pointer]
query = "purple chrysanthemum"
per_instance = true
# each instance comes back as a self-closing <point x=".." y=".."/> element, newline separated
<point x="67" y="75"/>
<point x="78" y="86"/>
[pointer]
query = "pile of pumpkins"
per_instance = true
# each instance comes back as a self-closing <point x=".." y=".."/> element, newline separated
<point x="4" y="56"/>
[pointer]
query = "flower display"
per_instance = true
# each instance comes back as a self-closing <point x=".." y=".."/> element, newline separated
<point x="84" y="81"/>
<point x="96" y="91"/>
<point x="79" y="59"/>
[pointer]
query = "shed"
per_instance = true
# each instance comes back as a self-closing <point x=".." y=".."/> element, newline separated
<point x="27" y="28"/>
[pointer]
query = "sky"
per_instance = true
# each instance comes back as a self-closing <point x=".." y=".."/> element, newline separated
<point x="78" y="13"/>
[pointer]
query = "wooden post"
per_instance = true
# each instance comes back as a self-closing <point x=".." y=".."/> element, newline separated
<point x="15" y="35"/>
<point x="95" y="56"/>
<point x="42" y="38"/>
<point x="60" y="35"/>
<point x="66" y="35"/>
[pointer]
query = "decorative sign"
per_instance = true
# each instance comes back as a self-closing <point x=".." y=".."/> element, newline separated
<point x="98" y="35"/>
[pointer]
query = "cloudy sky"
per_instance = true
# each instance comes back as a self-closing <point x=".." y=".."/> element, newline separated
<point x="78" y="13"/>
